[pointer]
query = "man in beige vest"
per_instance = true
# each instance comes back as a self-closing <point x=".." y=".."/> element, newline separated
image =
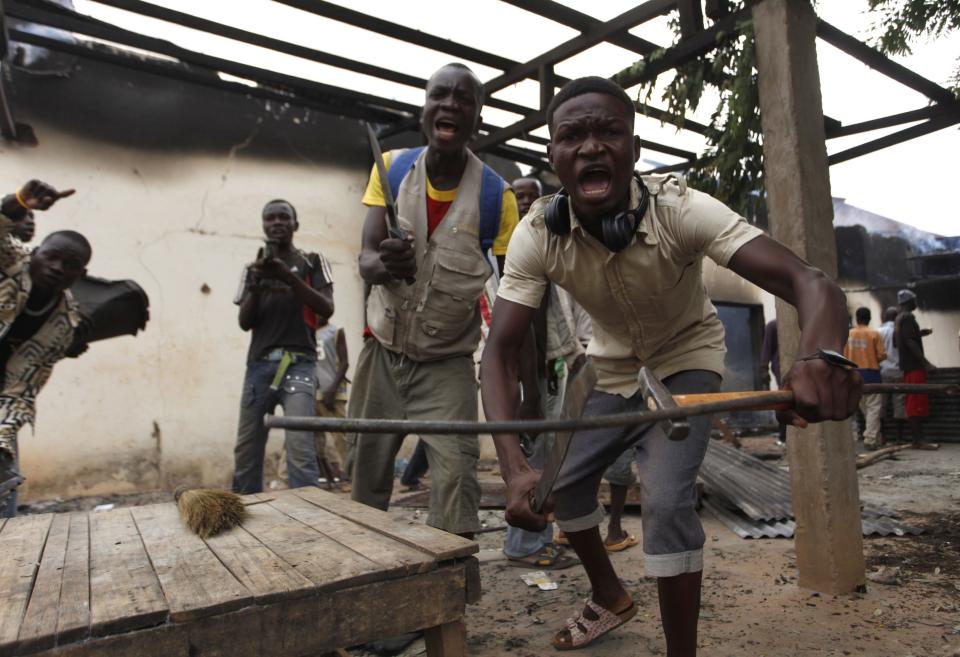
<point x="417" y="360"/>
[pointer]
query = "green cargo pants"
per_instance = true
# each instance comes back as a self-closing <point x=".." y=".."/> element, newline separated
<point x="390" y="385"/>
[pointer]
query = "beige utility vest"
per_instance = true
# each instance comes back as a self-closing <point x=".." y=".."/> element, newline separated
<point x="438" y="316"/>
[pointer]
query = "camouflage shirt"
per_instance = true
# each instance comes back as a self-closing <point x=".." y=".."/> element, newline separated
<point x="30" y="363"/>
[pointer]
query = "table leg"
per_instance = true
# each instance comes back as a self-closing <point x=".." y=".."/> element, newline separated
<point x="447" y="640"/>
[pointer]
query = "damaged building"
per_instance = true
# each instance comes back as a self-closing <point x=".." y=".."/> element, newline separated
<point x="171" y="164"/>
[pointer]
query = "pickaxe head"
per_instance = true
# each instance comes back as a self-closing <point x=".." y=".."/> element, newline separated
<point x="657" y="397"/>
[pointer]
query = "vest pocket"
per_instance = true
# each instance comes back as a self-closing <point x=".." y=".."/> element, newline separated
<point x="383" y="324"/>
<point x="457" y="283"/>
<point x="440" y="336"/>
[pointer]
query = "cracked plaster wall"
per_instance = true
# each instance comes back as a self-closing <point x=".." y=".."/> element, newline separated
<point x="170" y="180"/>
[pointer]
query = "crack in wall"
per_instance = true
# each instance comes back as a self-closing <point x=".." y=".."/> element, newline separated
<point x="231" y="156"/>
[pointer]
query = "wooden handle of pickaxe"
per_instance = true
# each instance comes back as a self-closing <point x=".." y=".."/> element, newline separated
<point x="786" y="396"/>
<point x="709" y="398"/>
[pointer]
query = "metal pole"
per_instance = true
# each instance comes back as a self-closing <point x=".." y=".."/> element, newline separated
<point x="758" y="401"/>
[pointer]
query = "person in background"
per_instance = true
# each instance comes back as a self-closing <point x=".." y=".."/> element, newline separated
<point x="559" y="348"/>
<point x="914" y="365"/>
<point x="619" y="476"/>
<point x="865" y="348"/>
<point x="283" y="296"/>
<point x="890" y="369"/>
<point x="333" y="361"/>
<point x="25" y="229"/>
<point x="770" y="362"/>
<point x="38" y="316"/>
<point x="416" y="468"/>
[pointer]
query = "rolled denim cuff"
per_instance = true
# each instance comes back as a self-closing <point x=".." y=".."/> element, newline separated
<point x="671" y="565"/>
<point x="589" y="521"/>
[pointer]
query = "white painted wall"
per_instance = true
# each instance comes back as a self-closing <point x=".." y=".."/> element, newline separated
<point x="161" y="409"/>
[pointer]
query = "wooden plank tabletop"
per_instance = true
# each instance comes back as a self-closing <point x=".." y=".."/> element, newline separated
<point x="125" y="593"/>
<point x="439" y="544"/>
<point x="268" y="577"/>
<point x="21" y="544"/>
<point x="67" y="577"/>
<point x="38" y="629"/>
<point x="195" y="583"/>
<point x="74" y="619"/>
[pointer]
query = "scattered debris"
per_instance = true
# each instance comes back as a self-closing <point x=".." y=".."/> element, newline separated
<point x="886" y="575"/>
<point x="539" y="579"/>
<point x="103" y="507"/>
<point x="872" y="457"/>
<point x="720" y="426"/>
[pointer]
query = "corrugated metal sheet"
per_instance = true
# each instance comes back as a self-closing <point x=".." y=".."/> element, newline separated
<point x="752" y="497"/>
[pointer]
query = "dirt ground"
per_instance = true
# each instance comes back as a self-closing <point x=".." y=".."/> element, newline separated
<point x="751" y="603"/>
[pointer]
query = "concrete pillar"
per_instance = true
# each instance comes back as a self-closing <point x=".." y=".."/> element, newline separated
<point x="823" y="474"/>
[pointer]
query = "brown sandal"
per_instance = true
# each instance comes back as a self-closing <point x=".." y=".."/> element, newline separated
<point x="583" y="630"/>
<point x="548" y="558"/>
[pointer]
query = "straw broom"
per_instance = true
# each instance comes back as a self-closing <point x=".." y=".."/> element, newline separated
<point x="209" y="511"/>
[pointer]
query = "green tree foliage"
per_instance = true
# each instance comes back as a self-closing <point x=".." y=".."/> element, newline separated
<point x="731" y="166"/>
<point x="903" y="22"/>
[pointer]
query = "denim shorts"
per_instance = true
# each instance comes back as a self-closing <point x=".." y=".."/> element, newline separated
<point x="672" y="535"/>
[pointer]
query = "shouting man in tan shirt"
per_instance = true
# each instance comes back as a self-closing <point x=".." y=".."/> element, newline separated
<point x="629" y="249"/>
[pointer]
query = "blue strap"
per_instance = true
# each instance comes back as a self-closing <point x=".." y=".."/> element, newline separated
<point x="491" y="192"/>
<point x="400" y="166"/>
<point x="491" y="204"/>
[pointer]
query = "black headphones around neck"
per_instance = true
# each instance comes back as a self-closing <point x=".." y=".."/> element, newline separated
<point x="617" y="230"/>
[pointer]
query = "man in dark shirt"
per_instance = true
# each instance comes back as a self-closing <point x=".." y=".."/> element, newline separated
<point x="282" y="297"/>
<point x="909" y="340"/>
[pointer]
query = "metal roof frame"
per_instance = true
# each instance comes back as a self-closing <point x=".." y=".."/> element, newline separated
<point x="395" y="116"/>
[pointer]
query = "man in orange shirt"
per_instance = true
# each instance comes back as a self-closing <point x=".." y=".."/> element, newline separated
<point x="865" y="348"/>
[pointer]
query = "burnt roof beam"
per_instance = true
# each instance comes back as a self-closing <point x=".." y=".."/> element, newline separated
<point x="400" y="32"/>
<point x="4" y="39"/>
<point x="670" y="168"/>
<point x="934" y="124"/>
<point x="197" y="75"/>
<point x="72" y="22"/>
<point x="691" y="17"/>
<point x="278" y="45"/>
<point x="582" y="22"/>
<point x="880" y="62"/>
<point x="584" y="41"/>
<point x="666" y="117"/>
<point x="522" y="155"/>
<point x="928" y="112"/>
<point x="667" y="150"/>
<point x="683" y="52"/>
<point x="688" y="49"/>
<point x="8" y="127"/>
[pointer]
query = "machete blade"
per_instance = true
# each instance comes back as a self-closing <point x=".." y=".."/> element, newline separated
<point x="580" y="383"/>
<point x="393" y="224"/>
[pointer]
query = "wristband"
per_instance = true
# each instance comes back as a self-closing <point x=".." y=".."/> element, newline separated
<point x="23" y="204"/>
<point x="832" y="358"/>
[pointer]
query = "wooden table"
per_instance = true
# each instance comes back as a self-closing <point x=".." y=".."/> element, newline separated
<point x="307" y="573"/>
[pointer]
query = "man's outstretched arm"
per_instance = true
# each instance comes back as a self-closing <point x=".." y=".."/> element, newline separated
<point x="499" y="376"/>
<point x="822" y="391"/>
